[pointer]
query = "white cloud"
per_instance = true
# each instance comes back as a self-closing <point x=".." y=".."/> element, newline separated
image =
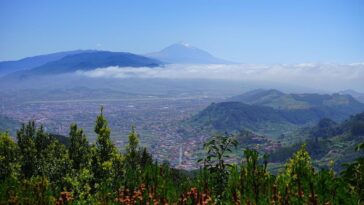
<point x="323" y="76"/>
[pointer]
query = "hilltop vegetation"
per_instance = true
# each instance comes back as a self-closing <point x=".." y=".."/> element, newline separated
<point x="279" y="100"/>
<point x="38" y="169"/>
<point x="327" y="141"/>
<point x="267" y="110"/>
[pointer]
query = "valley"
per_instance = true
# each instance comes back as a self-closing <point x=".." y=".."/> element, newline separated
<point x="156" y="118"/>
<point x="175" y="126"/>
<point x="182" y="102"/>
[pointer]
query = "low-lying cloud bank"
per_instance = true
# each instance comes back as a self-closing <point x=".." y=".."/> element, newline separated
<point x="323" y="76"/>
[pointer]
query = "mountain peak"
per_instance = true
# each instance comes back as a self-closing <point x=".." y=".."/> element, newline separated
<point x="181" y="47"/>
<point x="185" y="53"/>
<point x="183" y="44"/>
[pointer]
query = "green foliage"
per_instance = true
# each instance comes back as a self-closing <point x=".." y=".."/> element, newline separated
<point x="233" y="116"/>
<point x="79" y="149"/>
<point x="9" y="158"/>
<point x="131" y="155"/>
<point x="103" y="154"/>
<point x="354" y="173"/>
<point x="38" y="169"/>
<point x="26" y="142"/>
<point x="217" y="150"/>
<point x="105" y="147"/>
<point x="299" y="172"/>
<point x="254" y="177"/>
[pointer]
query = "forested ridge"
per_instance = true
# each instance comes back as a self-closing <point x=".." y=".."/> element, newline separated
<point x="38" y="168"/>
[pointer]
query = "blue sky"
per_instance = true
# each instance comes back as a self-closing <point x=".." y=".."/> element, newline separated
<point x="254" y="31"/>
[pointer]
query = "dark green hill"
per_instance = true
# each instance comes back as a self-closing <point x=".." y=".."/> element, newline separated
<point x="327" y="141"/>
<point x="258" y="97"/>
<point x="62" y="139"/>
<point x="341" y="103"/>
<point x="354" y="125"/>
<point x="232" y="116"/>
<point x="325" y="128"/>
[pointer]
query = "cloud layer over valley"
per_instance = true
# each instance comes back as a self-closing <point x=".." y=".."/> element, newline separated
<point x="331" y="76"/>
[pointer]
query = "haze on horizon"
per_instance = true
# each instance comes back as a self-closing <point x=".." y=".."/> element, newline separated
<point x="264" y="32"/>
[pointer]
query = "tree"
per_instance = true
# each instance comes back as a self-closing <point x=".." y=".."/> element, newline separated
<point x="254" y="176"/>
<point x="9" y="157"/>
<point x="42" y="155"/>
<point x="103" y="159"/>
<point x="217" y="150"/>
<point x="354" y="173"/>
<point x="132" y="156"/>
<point x="28" y="150"/>
<point x="79" y="150"/>
<point x="105" y="147"/>
<point x="299" y="172"/>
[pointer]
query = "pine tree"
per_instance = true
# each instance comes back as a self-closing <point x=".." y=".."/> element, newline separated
<point x="42" y="155"/>
<point x="105" y="147"/>
<point x="132" y="156"/>
<point x="79" y="150"/>
<point x="26" y="136"/>
<point x="9" y="157"/>
<point x="104" y="154"/>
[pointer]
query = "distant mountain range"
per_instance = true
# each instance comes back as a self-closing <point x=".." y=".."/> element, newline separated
<point x="355" y="94"/>
<point x="70" y="61"/>
<point x="89" y="61"/>
<point x="93" y="60"/>
<point x="259" y="109"/>
<point x="7" y="67"/>
<point x="183" y="53"/>
<point x="279" y="100"/>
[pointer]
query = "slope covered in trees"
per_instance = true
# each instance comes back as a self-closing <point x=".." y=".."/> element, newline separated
<point x="38" y="169"/>
<point x="260" y="110"/>
<point x="311" y="106"/>
<point x="328" y="140"/>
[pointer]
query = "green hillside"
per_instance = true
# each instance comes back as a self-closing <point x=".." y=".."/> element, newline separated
<point x="327" y="141"/>
<point x="38" y="169"/>
<point x="279" y="100"/>
<point x="267" y="111"/>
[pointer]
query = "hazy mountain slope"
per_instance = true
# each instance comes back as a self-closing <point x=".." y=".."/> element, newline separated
<point x="357" y="95"/>
<point x="7" y="124"/>
<point x="272" y="109"/>
<point x="328" y="140"/>
<point x="185" y="54"/>
<point x="232" y="116"/>
<point x="7" y="67"/>
<point x="280" y="100"/>
<point x="258" y="96"/>
<point x="91" y="60"/>
<point x="353" y="126"/>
